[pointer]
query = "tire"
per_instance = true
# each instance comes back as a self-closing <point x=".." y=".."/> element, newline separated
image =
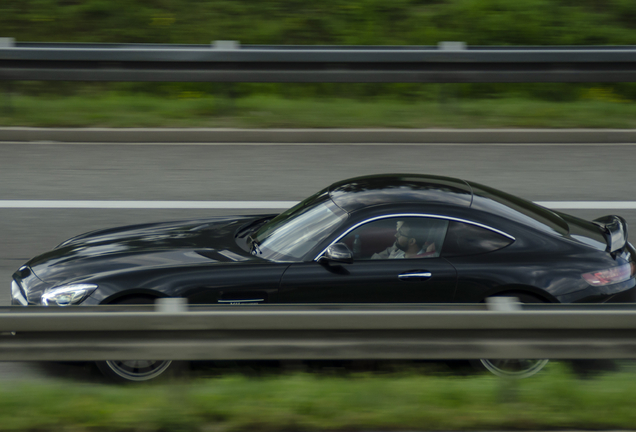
<point x="513" y="368"/>
<point x="122" y="371"/>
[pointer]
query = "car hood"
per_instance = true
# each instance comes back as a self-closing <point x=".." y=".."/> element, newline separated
<point x="206" y="241"/>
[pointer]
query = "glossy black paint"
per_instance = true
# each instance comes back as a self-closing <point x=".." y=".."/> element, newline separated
<point x="359" y="193"/>
<point x="368" y="282"/>
<point x="209" y="261"/>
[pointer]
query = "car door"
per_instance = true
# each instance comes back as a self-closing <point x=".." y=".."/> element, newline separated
<point x="378" y="273"/>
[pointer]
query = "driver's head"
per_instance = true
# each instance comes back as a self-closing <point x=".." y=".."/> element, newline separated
<point x="410" y="235"/>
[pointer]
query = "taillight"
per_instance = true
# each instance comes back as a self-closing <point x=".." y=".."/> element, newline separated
<point x="611" y="275"/>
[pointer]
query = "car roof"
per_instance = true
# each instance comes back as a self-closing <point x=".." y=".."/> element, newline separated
<point x="360" y="192"/>
<point x="356" y="193"/>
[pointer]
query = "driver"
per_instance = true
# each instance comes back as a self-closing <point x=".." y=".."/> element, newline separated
<point x="410" y="242"/>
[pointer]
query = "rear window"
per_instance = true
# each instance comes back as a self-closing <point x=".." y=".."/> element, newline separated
<point x="517" y="209"/>
<point x="466" y="239"/>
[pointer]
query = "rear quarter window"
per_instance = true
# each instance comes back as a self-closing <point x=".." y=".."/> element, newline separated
<point x="517" y="209"/>
<point x="466" y="239"/>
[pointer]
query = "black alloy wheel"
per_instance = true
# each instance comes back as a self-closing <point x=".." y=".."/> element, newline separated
<point x="122" y="371"/>
<point x="513" y="368"/>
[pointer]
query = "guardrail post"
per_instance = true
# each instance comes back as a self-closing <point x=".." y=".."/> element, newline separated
<point x="7" y="106"/>
<point x="503" y="304"/>
<point x="448" y="91"/>
<point x="228" y="90"/>
<point x="7" y="42"/>
<point x="508" y="387"/>
<point x="226" y="45"/>
<point x="171" y="305"/>
<point x="225" y="98"/>
<point x="508" y="390"/>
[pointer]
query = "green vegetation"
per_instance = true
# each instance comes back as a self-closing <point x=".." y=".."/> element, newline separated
<point x="555" y="399"/>
<point x="263" y="111"/>
<point x="334" y="22"/>
<point x="338" y="22"/>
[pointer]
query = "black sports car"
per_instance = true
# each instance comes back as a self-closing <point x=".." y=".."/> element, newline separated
<point x="398" y="238"/>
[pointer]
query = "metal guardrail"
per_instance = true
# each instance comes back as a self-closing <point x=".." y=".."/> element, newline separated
<point x="267" y="332"/>
<point x="228" y="61"/>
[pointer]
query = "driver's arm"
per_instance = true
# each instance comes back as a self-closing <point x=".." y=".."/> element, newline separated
<point x="384" y="254"/>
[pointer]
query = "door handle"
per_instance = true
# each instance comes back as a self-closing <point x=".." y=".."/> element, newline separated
<point x="415" y="276"/>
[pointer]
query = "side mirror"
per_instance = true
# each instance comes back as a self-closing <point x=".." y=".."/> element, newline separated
<point x="338" y="252"/>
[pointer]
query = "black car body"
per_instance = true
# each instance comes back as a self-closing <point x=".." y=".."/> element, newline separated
<point x="488" y="243"/>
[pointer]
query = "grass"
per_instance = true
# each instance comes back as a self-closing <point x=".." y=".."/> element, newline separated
<point x="329" y="22"/>
<point x="555" y="399"/>
<point x="270" y="111"/>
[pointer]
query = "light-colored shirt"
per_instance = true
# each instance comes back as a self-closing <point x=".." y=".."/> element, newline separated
<point x="393" y="252"/>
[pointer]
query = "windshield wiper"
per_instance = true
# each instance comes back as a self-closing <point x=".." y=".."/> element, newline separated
<point x="254" y="245"/>
<point x="252" y="226"/>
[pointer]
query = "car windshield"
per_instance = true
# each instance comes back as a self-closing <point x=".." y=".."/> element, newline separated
<point x="292" y="234"/>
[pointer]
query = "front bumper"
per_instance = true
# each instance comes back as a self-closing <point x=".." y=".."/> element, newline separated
<point x="26" y="287"/>
<point x="18" y="296"/>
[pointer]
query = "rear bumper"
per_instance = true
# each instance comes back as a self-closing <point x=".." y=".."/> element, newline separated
<point x="628" y="296"/>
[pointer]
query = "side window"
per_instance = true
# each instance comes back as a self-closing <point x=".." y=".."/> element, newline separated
<point x="397" y="238"/>
<point x="466" y="239"/>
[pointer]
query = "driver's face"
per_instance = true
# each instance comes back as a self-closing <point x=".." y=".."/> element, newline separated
<point x="401" y="235"/>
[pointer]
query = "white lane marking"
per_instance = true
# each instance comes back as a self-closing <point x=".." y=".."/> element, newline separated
<point x="592" y="205"/>
<point x="256" y="205"/>
<point x="53" y="204"/>
<point x="322" y="144"/>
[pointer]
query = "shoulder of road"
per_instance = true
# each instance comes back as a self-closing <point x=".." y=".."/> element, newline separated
<point x="319" y="136"/>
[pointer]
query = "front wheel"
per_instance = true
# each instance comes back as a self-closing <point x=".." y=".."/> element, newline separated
<point x="139" y="370"/>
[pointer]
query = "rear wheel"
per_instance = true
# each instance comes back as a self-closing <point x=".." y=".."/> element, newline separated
<point x="513" y="368"/>
<point x="139" y="370"/>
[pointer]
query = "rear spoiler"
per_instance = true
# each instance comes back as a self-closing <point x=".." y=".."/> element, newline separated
<point x="615" y="231"/>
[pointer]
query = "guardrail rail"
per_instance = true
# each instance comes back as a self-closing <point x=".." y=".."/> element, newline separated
<point x="265" y="332"/>
<point x="228" y="61"/>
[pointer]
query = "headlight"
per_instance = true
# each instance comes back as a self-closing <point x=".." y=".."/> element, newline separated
<point x="68" y="294"/>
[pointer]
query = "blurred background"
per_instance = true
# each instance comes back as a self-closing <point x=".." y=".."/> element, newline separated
<point x="330" y="22"/>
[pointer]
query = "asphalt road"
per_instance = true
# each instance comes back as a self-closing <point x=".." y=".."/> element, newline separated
<point x="52" y="171"/>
